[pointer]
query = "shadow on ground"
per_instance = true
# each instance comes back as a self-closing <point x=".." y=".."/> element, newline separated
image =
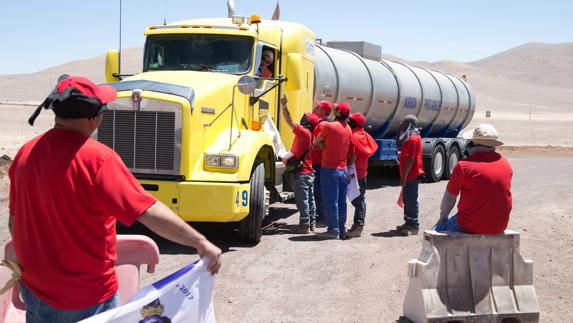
<point x="224" y="235"/>
<point x="379" y="177"/>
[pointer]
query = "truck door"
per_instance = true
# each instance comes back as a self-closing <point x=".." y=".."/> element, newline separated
<point x="268" y="101"/>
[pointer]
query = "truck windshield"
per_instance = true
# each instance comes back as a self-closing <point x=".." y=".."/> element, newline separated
<point x="213" y="53"/>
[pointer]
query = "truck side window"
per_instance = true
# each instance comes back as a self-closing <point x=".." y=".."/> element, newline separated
<point x="267" y="65"/>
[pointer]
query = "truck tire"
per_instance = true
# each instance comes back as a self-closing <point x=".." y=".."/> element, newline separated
<point x="435" y="167"/>
<point x="454" y="156"/>
<point x="250" y="228"/>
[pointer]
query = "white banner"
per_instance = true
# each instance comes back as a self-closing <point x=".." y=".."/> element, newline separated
<point x="353" y="190"/>
<point x="184" y="296"/>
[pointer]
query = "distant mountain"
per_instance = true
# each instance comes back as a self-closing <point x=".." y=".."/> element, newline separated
<point x="540" y="63"/>
<point x="507" y="83"/>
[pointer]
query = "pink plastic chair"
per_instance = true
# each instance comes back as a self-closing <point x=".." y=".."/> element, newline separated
<point x="133" y="251"/>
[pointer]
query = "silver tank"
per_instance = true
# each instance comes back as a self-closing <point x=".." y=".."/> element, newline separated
<point x="386" y="91"/>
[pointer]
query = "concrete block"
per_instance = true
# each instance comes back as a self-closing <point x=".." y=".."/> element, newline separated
<point x="471" y="279"/>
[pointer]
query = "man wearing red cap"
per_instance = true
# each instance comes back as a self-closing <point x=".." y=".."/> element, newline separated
<point x="335" y="140"/>
<point x="66" y="193"/>
<point x="322" y="110"/>
<point x="365" y="146"/>
<point x="409" y="142"/>
<point x="302" y="171"/>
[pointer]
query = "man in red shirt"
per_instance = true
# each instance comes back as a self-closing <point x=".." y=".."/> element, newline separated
<point x="303" y="177"/>
<point x="484" y="181"/>
<point x="66" y="192"/>
<point x="365" y="146"/>
<point x="410" y="144"/>
<point x="335" y="140"/>
<point x="267" y="60"/>
<point x="322" y="110"/>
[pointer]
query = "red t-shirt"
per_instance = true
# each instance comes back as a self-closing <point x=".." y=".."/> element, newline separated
<point x="484" y="180"/>
<point x="365" y="146"/>
<point x="301" y="144"/>
<point x="412" y="148"/>
<point x="66" y="191"/>
<point x="317" y="154"/>
<point x="337" y="144"/>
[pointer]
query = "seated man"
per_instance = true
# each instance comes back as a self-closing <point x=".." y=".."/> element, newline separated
<point x="266" y="62"/>
<point x="484" y="180"/>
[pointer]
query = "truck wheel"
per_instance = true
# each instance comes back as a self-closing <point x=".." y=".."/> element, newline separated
<point x="250" y="227"/>
<point x="435" y="168"/>
<point x="453" y="158"/>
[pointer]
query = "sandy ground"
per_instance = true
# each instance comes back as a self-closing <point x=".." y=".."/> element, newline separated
<point x="293" y="278"/>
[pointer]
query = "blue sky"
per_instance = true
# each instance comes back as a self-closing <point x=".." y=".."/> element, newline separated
<point x="39" y="34"/>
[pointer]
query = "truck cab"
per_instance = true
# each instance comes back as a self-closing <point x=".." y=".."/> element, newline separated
<point x="198" y="127"/>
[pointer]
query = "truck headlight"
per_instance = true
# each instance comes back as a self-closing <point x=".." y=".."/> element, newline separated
<point x="221" y="160"/>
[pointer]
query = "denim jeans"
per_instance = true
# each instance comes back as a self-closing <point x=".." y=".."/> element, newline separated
<point x="317" y="191"/>
<point x="359" y="203"/>
<point x="334" y="183"/>
<point x="39" y="312"/>
<point x="449" y="224"/>
<point x="304" y="197"/>
<point x="411" y="203"/>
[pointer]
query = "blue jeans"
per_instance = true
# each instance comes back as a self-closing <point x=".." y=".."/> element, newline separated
<point x="449" y="224"/>
<point x="39" y="312"/>
<point x="334" y="184"/>
<point x="411" y="203"/>
<point x="317" y="192"/>
<point x="359" y="203"/>
<point x="304" y="197"/>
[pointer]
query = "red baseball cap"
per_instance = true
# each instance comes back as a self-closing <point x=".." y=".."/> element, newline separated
<point x="324" y="105"/>
<point x="343" y="107"/>
<point x="76" y="97"/>
<point x="358" y="118"/>
<point x="103" y="93"/>
<point x="313" y="118"/>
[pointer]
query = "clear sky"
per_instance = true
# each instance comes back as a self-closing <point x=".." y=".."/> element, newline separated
<point x="38" y="34"/>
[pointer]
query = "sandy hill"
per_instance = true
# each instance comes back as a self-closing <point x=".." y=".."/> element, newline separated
<point x="546" y="64"/>
<point x="532" y="77"/>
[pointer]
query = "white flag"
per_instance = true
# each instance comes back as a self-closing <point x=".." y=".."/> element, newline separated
<point x="184" y="296"/>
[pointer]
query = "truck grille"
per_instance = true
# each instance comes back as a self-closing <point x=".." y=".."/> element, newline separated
<point x="147" y="141"/>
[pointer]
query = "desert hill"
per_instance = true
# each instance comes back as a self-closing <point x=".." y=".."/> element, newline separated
<point x="533" y="77"/>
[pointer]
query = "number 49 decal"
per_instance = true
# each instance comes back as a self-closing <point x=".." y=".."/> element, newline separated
<point x="242" y="198"/>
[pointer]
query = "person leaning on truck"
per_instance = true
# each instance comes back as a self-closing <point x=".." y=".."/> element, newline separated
<point x="409" y="142"/>
<point x="335" y="140"/>
<point x="66" y="193"/>
<point x="322" y="110"/>
<point x="365" y="147"/>
<point x="484" y="181"/>
<point x="303" y="176"/>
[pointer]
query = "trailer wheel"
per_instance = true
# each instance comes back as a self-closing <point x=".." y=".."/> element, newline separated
<point x="250" y="227"/>
<point x="453" y="158"/>
<point x="435" y="167"/>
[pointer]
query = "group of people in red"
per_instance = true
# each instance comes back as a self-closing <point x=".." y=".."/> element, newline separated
<point x="327" y="142"/>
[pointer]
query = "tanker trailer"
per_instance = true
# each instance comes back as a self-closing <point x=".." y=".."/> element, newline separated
<point x="386" y="91"/>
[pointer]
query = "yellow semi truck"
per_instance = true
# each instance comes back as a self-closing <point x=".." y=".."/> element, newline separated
<point x="202" y="132"/>
<point x="194" y="125"/>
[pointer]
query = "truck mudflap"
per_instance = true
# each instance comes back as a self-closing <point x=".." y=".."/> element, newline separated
<point x="203" y="201"/>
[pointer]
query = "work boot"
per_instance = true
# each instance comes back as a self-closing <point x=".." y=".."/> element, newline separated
<point x="312" y="226"/>
<point x="409" y="230"/>
<point x="402" y="226"/>
<point x="355" y="231"/>
<point x="320" y="225"/>
<point x="326" y="235"/>
<point x="301" y="229"/>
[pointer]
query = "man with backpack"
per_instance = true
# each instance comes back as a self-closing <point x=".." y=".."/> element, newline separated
<point x="299" y="163"/>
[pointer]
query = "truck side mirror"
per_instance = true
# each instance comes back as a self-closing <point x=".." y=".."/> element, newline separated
<point x="112" y="66"/>
<point x="246" y="84"/>
<point x="293" y="72"/>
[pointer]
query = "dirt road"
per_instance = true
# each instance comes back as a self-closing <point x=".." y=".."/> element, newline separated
<point x="293" y="278"/>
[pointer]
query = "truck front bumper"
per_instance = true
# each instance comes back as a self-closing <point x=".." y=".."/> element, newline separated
<point x="203" y="201"/>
